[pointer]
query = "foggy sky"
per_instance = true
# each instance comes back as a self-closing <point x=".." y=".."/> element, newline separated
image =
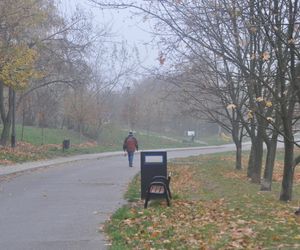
<point x="133" y="30"/>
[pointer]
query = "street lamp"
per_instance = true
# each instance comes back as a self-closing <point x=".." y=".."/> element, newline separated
<point x="13" y="125"/>
<point x="128" y="107"/>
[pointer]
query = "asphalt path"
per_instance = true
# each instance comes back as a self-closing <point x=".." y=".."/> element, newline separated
<point x="63" y="205"/>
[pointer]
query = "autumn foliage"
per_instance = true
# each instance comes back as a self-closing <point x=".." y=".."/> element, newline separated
<point x="17" y="67"/>
<point x="215" y="207"/>
<point x="24" y="152"/>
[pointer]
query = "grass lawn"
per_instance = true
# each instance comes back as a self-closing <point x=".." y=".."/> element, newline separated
<point x="46" y="143"/>
<point x="214" y="207"/>
<point x="40" y="136"/>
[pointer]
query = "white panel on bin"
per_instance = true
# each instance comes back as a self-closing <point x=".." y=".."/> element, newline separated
<point x="154" y="159"/>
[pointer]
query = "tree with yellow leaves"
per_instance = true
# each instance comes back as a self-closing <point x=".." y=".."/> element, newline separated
<point x="17" y="67"/>
<point x="17" y="59"/>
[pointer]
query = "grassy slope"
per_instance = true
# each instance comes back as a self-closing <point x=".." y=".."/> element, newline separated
<point x="110" y="137"/>
<point x="34" y="136"/>
<point x="215" y="207"/>
<point x="47" y="143"/>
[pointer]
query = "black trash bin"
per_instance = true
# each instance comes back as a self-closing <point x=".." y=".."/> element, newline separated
<point x="66" y="144"/>
<point x="153" y="163"/>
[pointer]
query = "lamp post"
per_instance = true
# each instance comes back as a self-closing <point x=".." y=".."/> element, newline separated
<point x="13" y="125"/>
<point x="128" y="107"/>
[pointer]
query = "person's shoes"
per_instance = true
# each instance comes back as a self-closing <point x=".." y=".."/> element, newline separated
<point x="130" y="166"/>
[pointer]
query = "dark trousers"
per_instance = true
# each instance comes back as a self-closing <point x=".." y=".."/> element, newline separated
<point x="130" y="158"/>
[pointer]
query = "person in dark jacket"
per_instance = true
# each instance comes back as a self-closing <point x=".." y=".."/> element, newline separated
<point x="130" y="145"/>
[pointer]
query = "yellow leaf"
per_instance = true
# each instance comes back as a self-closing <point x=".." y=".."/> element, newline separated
<point x="266" y="56"/>
<point x="231" y="106"/>
<point x="250" y="115"/>
<point x="269" y="104"/>
<point x="260" y="99"/>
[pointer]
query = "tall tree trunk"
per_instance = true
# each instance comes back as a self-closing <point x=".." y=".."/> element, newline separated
<point x="287" y="109"/>
<point x="5" y="132"/>
<point x="266" y="184"/>
<point x="238" y="146"/>
<point x="251" y="159"/>
<point x="288" y="171"/>
<point x="6" y="118"/>
<point x="238" y="158"/>
<point x="258" y="156"/>
<point x="237" y="138"/>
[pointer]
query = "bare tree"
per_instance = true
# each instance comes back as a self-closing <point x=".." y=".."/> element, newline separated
<point x="257" y="40"/>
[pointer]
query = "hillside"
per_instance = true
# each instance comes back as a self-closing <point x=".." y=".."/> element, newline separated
<point x="46" y="143"/>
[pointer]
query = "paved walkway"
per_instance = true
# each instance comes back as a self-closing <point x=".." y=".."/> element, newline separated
<point x="63" y="206"/>
<point x="10" y="169"/>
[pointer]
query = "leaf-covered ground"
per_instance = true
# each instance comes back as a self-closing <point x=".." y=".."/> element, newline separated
<point x="24" y="152"/>
<point x="215" y="207"/>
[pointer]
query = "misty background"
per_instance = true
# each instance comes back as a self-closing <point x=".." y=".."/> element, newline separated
<point x="90" y="69"/>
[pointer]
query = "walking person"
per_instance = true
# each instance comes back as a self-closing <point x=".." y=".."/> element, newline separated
<point x="130" y="145"/>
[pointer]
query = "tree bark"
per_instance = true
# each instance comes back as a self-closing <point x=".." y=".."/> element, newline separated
<point x="238" y="163"/>
<point x="258" y="156"/>
<point x="251" y="160"/>
<point x="237" y="135"/>
<point x="6" y="118"/>
<point x="288" y="171"/>
<point x="266" y="184"/>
